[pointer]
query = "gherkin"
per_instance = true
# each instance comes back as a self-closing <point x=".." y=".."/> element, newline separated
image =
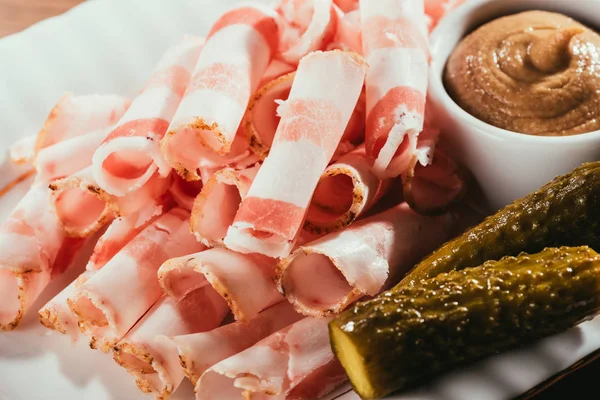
<point x="409" y="334"/>
<point x="564" y="212"/>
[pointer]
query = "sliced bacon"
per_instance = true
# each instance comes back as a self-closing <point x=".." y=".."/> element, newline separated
<point x="323" y="277"/>
<point x="231" y="274"/>
<point x="346" y="189"/>
<point x="147" y="352"/>
<point x="312" y="124"/>
<point x="56" y="314"/>
<point x="261" y="119"/>
<point x="347" y="6"/>
<point x="238" y="49"/>
<point x="431" y="189"/>
<point x="396" y="47"/>
<point x="75" y="115"/>
<point x="33" y="249"/>
<point x="200" y="351"/>
<point x="191" y="159"/>
<point x="294" y="363"/>
<point x="348" y="35"/>
<point x="131" y="155"/>
<point x="275" y="69"/>
<point x="68" y="156"/>
<point x="115" y="297"/>
<point x="23" y="150"/>
<point x="122" y="230"/>
<point x="95" y="207"/>
<point x="307" y="26"/>
<point x="185" y="192"/>
<point x="215" y="207"/>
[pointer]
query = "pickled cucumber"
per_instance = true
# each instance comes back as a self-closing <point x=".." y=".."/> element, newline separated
<point x="409" y="334"/>
<point x="564" y="212"/>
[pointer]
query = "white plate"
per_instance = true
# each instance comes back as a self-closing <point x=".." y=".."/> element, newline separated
<point x="111" y="46"/>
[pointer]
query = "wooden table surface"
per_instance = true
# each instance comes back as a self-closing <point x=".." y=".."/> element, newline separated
<point x="16" y="15"/>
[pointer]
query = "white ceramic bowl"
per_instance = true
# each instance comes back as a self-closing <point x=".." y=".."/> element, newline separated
<point x="507" y="165"/>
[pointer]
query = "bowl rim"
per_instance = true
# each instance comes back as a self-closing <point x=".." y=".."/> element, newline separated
<point x="436" y="86"/>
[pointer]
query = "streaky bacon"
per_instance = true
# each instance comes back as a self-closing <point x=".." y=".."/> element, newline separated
<point x="68" y="156"/>
<point x="131" y="155"/>
<point x="261" y="118"/>
<point x="147" y="352"/>
<point x="33" y="249"/>
<point x="116" y="296"/>
<point x="312" y="124"/>
<point x="395" y="44"/>
<point x="56" y="315"/>
<point x="348" y="35"/>
<point x="306" y="26"/>
<point x="293" y="363"/>
<point x="191" y="159"/>
<point x="238" y="49"/>
<point x="433" y="188"/>
<point x="75" y="115"/>
<point x="231" y="274"/>
<point x="199" y="351"/>
<point x="83" y="207"/>
<point x="321" y="278"/>
<point x="346" y="190"/>
<point x="215" y="207"/>
<point x="122" y="230"/>
<point x="262" y="103"/>
<point x="185" y="192"/>
<point x="347" y="6"/>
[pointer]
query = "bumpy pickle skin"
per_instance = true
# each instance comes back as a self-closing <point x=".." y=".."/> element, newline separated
<point x="564" y="212"/>
<point x="412" y="333"/>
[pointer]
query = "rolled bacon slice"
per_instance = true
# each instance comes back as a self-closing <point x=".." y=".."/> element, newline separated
<point x="68" y="156"/>
<point x="346" y="189"/>
<point x="122" y="230"/>
<point x="321" y="278"/>
<point x="261" y="119"/>
<point x="347" y="6"/>
<point x="312" y="124"/>
<point x="238" y="49"/>
<point x="200" y="351"/>
<point x="76" y="115"/>
<point x="432" y="189"/>
<point x="307" y="26"/>
<point x="245" y="281"/>
<point x="83" y="207"/>
<point x="215" y="207"/>
<point x="56" y="314"/>
<point x="33" y="248"/>
<point x="394" y="39"/>
<point x="115" y="297"/>
<point x="294" y="363"/>
<point x="185" y="192"/>
<point x="193" y="159"/>
<point x="348" y="35"/>
<point x="131" y="155"/>
<point x="147" y="352"/>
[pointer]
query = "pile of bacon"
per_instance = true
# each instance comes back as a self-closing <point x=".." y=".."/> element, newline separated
<point x="230" y="186"/>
